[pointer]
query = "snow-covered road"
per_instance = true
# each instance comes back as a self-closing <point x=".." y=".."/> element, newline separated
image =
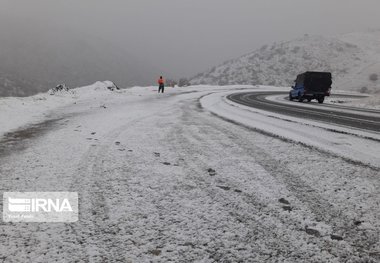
<point x="160" y="178"/>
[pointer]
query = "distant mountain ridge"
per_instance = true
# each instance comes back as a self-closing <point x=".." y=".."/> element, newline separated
<point x="35" y="60"/>
<point x="353" y="59"/>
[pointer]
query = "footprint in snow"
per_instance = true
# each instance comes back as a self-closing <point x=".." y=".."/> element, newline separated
<point x="312" y="232"/>
<point x="155" y="252"/>
<point x="226" y="188"/>
<point x="336" y="237"/>
<point x="284" y="201"/>
<point x="287" y="208"/>
<point x="211" y="172"/>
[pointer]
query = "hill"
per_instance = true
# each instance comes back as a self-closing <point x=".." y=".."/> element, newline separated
<point x="354" y="60"/>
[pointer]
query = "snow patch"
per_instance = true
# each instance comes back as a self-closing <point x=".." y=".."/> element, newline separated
<point x="16" y="112"/>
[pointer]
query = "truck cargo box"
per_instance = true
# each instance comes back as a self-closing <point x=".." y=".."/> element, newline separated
<point x="311" y="85"/>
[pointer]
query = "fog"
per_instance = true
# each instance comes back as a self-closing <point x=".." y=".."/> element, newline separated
<point x="185" y="37"/>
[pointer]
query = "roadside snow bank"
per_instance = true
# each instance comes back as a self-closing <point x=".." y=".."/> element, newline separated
<point x="370" y="102"/>
<point x="16" y="112"/>
<point x="359" y="146"/>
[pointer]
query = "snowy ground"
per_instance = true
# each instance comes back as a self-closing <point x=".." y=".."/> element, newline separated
<point x="16" y="112"/>
<point x="353" y="144"/>
<point x="166" y="177"/>
<point x="370" y="102"/>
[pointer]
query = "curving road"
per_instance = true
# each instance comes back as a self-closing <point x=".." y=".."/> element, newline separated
<point x="338" y="115"/>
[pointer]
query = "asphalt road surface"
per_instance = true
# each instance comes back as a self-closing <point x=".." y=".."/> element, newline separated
<point x="361" y="119"/>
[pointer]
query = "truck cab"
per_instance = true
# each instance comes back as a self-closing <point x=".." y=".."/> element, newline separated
<point x="311" y="85"/>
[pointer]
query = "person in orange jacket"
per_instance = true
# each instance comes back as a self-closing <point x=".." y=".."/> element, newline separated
<point x="161" y="84"/>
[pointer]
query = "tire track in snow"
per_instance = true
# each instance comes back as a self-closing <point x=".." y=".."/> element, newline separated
<point x="323" y="209"/>
<point x="101" y="239"/>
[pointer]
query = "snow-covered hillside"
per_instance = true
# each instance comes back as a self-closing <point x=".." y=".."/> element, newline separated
<point x="354" y="60"/>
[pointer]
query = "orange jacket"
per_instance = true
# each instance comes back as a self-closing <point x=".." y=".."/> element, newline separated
<point x="161" y="81"/>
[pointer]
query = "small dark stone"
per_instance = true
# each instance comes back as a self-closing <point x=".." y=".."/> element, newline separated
<point x="130" y="150"/>
<point x="287" y="208"/>
<point x="93" y="133"/>
<point x="238" y="191"/>
<point x="358" y="223"/>
<point x="117" y="143"/>
<point x="166" y="163"/>
<point x="157" y="154"/>
<point x="284" y="201"/>
<point x="336" y="237"/>
<point x="122" y="150"/>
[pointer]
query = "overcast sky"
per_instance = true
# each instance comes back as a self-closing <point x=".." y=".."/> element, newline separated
<point x="184" y="37"/>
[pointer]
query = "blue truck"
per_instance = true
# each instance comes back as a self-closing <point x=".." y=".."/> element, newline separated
<point x="311" y="85"/>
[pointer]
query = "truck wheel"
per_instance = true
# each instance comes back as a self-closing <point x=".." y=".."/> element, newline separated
<point x="290" y="96"/>
<point x="300" y="99"/>
<point x="321" y="99"/>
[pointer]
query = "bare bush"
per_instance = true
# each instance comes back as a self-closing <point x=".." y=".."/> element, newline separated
<point x="183" y="82"/>
<point x="373" y="77"/>
<point x="296" y="49"/>
<point x="363" y="90"/>
<point x="171" y="83"/>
